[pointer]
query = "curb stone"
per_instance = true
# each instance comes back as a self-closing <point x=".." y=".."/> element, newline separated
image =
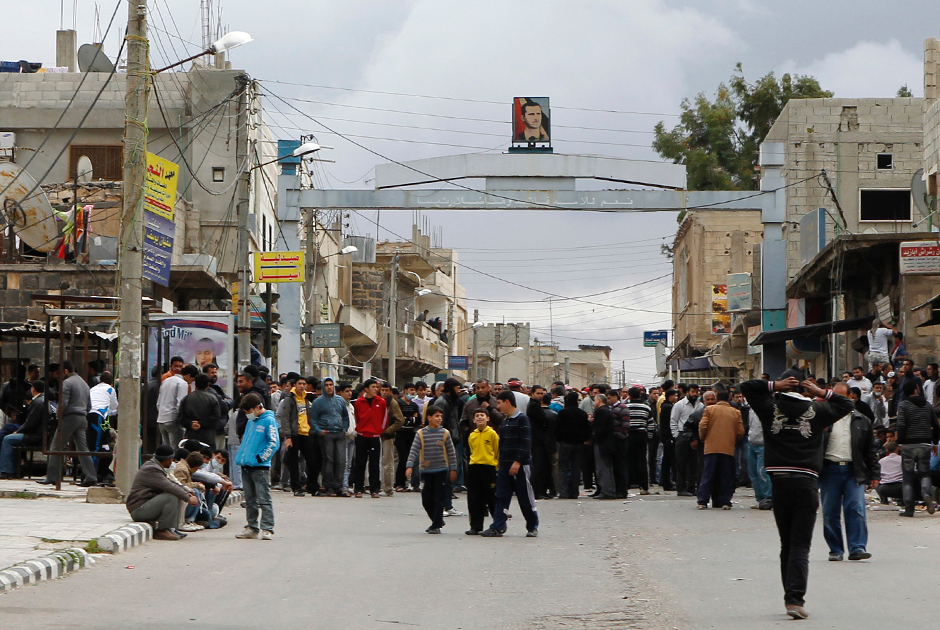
<point x="124" y="538"/>
<point x="48" y="567"/>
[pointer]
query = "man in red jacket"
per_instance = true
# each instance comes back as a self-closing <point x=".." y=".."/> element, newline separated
<point x="370" y="423"/>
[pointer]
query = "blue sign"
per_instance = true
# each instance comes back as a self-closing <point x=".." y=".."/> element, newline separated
<point x="158" y="248"/>
<point x="652" y="338"/>
<point x="458" y="363"/>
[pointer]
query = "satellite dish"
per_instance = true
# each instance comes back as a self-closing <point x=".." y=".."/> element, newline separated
<point x="84" y="170"/>
<point x="92" y="59"/>
<point x="922" y="199"/>
<point x="32" y="217"/>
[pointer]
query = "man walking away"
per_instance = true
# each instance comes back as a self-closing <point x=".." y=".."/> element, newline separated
<point x="642" y="426"/>
<point x="685" y="454"/>
<point x="849" y="467"/>
<point x="603" y="438"/>
<point x="669" y="443"/>
<point x="720" y="429"/>
<point x="155" y="498"/>
<point x="370" y="422"/>
<point x="329" y="419"/>
<point x="73" y="425"/>
<point x="173" y="390"/>
<point x="793" y="454"/>
<point x="258" y="447"/>
<point x="512" y="476"/>
<point x="918" y="433"/>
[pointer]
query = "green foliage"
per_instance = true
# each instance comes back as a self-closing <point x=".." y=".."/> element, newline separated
<point x="903" y="92"/>
<point x="718" y="141"/>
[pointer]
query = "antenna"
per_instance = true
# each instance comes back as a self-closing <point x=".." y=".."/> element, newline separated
<point x="205" y="8"/>
<point x="30" y="215"/>
<point x="91" y="58"/>
<point x="84" y="170"/>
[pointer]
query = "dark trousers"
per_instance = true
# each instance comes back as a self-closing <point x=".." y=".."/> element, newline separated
<point x="686" y="464"/>
<point x="652" y="446"/>
<point x="307" y="446"/>
<point x="368" y="450"/>
<point x="481" y="493"/>
<point x="403" y="440"/>
<point x="620" y="460"/>
<point x="915" y="468"/>
<point x="541" y="470"/>
<point x="639" y="466"/>
<point x="796" y="500"/>
<point x="587" y="466"/>
<point x="890" y="491"/>
<point x="432" y="494"/>
<point x="669" y="463"/>
<point x="719" y="479"/>
<point x="508" y="485"/>
<point x="569" y="469"/>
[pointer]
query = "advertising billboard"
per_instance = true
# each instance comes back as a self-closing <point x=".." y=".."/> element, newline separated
<point x="531" y="120"/>
<point x="200" y="337"/>
<point x="920" y="257"/>
<point x="721" y="318"/>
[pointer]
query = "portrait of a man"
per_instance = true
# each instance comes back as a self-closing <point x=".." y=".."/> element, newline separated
<point x="531" y="120"/>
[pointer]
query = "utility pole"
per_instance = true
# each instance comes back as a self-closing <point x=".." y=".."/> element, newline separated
<point x="241" y="159"/>
<point x="496" y="337"/>
<point x="567" y="368"/>
<point x="130" y="287"/>
<point x="269" y="327"/>
<point x="476" y="370"/>
<point x="393" y="322"/>
<point x="311" y="291"/>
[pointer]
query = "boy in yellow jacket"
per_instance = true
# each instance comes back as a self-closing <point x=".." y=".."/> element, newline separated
<point x="481" y="475"/>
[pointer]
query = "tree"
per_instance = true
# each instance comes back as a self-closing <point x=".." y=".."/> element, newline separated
<point x="903" y="92"/>
<point x="718" y="141"/>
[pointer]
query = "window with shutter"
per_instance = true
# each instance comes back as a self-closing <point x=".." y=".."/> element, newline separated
<point x="107" y="161"/>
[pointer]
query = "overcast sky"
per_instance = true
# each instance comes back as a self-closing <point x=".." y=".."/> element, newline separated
<point x="629" y="56"/>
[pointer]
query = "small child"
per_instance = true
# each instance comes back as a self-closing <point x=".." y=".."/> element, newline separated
<point x="481" y="475"/>
<point x="433" y="448"/>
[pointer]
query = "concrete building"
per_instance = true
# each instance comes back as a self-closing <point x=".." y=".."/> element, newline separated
<point x="578" y="368"/>
<point x="709" y="245"/>
<point x="503" y="351"/>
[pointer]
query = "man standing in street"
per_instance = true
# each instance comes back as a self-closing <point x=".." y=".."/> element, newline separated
<point x="641" y="426"/>
<point x="370" y="422"/>
<point x="512" y="476"/>
<point x="850" y="466"/>
<point x="258" y="447"/>
<point x="721" y="429"/>
<point x="295" y="428"/>
<point x="73" y="425"/>
<point x="793" y="454"/>
<point x="395" y="420"/>
<point x="329" y="420"/>
<point x="859" y="380"/>
<point x="760" y="480"/>
<point x="906" y="375"/>
<point x="685" y="453"/>
<point x="173" y="390"/>
<point x="918" y="433"/>
<point x="605" y="444"/>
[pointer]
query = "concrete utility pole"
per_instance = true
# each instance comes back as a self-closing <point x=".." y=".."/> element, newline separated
<point x="393" y="322"/>
<point x="567" y="368"/>
<point x="130" y="342"/>
<point x="496" y="343"/>
<point x="476" y="370"/>
<point x="311" y="291"/>
<point x="241" y="159"/>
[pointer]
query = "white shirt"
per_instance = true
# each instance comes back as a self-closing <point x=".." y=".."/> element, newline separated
<point x="172" y="392"/>
<point x="862" y="383"/>
<point x="681" y="412"/>
<point x="839" y="448"/>
<point x="879" y="340"/>
<point x="891" y="468"/>
<point x="103" y="400"/>
<point x="522" y="401"/>
<point x="929" y="388"/>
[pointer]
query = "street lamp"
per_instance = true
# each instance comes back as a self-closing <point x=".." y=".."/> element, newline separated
<point x="498" y="357"/>
<point x="226" y="43"/>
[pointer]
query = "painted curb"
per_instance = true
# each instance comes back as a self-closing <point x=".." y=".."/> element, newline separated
<point x="49" y="567"/>
<point x="124" y="538"/>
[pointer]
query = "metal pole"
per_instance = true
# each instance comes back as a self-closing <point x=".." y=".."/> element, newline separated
<point x="496" y="353"/>
<point x="269" y="327"/>
<point x="241" y="159"/>
<point x="131" y="253"/>
<point x="567" y="368"/>
<point x="311" y="286"/>
<point x="476" y="370"/>
<point x="393" y="322"/>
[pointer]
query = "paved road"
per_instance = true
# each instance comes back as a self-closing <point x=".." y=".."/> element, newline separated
<point x="364" y="563"/>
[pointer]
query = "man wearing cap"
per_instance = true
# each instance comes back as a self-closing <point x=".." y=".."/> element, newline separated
<point x="522" y="399"/>
<point x="155" y="497"/>
<point x="793" y="427"/>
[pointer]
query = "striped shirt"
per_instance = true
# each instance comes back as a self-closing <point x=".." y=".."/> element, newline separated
<point x="641" y="417"/>
<point x="433" y="449"/>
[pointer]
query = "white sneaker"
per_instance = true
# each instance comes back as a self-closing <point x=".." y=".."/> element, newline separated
<point x="248" y="533"/>
<point x="190" y="527"/>
<point x="453" y="512"/>
<point x="266" y="534"/>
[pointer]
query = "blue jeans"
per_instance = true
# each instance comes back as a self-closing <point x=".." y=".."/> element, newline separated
<point x="350" y="457"/>
<point x="257" y="484"/>
<point x="841" y="493"/>
<point x="518" y="484"/>
<point x="760" y="480"/>
<point x="458" y="448"/>
<point x="7" y="460"/>
<point x="236" y="470"/>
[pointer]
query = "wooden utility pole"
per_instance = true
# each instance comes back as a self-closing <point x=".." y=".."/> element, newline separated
<point x="131" y="251"/>
<point x="393" y="322"/>
<point x="241" y="256"/>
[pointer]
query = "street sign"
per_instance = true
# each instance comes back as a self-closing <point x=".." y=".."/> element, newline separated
<point x="458" y="363"/>
<point x="158" y="247"/>
<point x="160" y="186"/>
<point x="739" y="292"/>
<point x="920" y="257"/>
<point x="327" y="335"/>
<point x="278" y="266"/>
<point x="651" y="338"/>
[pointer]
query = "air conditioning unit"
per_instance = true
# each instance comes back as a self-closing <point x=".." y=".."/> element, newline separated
<point x="7" y="140"/>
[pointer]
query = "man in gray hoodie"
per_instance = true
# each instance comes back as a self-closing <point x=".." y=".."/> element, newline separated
<point x="73" y="425"/>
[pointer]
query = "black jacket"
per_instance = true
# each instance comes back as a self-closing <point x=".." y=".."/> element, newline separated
<point x="917" y="422"/>
<point x="241" y="420"/>
<point x="603" y="435"/>
<point x="793" y="426"/>
<point x="37" y="415"/>
<point x="572" y="426"/>
<point x="201" y="406"/>
<point x="865" y="409"/>
<point x="665" y="432"/>
<point x="864" y="449"/>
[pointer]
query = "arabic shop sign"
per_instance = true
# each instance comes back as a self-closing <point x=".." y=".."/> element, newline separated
<point x="158" y="248"/>
<point x="920" y="257"/>
<point x="160" y="186"/>
<point x="278" y="267"/>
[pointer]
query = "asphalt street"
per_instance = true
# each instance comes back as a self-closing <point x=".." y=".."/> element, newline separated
<point x="654" y="562"/>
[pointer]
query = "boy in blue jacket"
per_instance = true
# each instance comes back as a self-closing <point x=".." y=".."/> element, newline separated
<point x="259" y="444"/>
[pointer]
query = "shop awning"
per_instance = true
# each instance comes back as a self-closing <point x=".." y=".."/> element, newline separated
<point x="813" y="330"/>
<point x="926" y="314"/>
